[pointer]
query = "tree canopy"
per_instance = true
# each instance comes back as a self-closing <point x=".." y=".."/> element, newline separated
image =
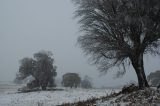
<point x="86" y="82"/>
<point x="41" y="68"/>
<point x="119" y="32"/>
<point x="71" y="80"/>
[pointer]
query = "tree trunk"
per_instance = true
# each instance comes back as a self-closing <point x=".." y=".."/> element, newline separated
<point x="44" y="85"/>
<point x="43" y="88"/>
<point x="137" y="62"/>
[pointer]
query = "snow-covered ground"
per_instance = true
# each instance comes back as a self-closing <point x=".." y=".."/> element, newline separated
<point x="10" y="97"/>
<point x="145" y="97"/>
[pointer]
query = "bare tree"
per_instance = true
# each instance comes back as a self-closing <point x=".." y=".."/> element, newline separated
<point x="120" y="32"/>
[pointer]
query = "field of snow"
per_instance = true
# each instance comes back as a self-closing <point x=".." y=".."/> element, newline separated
<point x="10" y="97"/>
<point x="146" y="97"/>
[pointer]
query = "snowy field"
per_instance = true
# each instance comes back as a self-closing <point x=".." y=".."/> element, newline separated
<point x="10" y="97"/>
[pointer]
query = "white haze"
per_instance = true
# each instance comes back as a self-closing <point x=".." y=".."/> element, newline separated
<point x="28" y="26"/>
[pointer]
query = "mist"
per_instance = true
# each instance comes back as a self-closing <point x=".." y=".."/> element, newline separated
<point x="28" y="26"/>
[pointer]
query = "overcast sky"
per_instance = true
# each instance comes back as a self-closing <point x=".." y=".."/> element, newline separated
<point x="28" y="26"/>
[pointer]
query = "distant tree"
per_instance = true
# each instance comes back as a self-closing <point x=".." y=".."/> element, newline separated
<point x="86" y="82"/>
<point x="27" y="67"/>
<point x="154" y="78"/>
<point x="119" y="33"/>
<point x="44" y="68"/>
<point x="71" y="80"/>
<point x="41" y="68"/>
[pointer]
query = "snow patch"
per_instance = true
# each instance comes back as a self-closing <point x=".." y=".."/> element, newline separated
<point x="50" y="98"/>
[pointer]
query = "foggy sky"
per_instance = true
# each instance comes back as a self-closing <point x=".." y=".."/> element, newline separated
<point x="28" y="26"/>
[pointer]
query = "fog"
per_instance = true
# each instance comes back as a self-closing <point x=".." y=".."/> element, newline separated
<point x="28" y="26"/>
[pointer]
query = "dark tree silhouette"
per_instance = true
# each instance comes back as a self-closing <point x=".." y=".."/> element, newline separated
<point x="120" y="32"/>
<point x="71" y="80"/>
<point x="27" y="67"/>
<point x="86" y="82"/>
<point x="41" y="68"/>
<point x="44" y="68"/>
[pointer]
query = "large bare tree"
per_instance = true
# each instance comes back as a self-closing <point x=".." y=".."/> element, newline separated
<point x="120" y="32"/>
